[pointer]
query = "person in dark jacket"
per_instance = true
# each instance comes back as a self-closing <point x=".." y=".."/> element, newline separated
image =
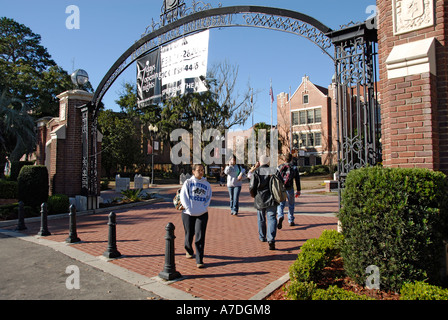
<point x="294" y="178"/>
<point x="264" y="203"/>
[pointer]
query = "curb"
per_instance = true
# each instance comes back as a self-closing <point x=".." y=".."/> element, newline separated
<point x="9" y="223"/>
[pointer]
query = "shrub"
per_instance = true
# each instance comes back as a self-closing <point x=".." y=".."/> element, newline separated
<point x="422" y="291"/>
<point x="132" y="195"/>
<point x="314" y="256"/>
<point x="58" y="203"/>
<point x="298" y="290"/>
<point x="335" y="293"/>
<point x="394" y="219"/>
<point x="33" y="185"/>
<point x="8" y="189"/>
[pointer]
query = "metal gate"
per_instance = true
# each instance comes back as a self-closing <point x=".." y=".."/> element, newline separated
<point x="357" y="104"/>
<point x="355" y="77"/>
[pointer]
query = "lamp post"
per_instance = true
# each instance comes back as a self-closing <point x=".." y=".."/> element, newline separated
<point x="80" y="78"/>
<point x="153" y="130"/>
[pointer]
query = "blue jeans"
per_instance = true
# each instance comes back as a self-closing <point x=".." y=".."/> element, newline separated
<point x="291" y="202"/>
<point x="267" y="215"/>
<point x="234" y="193"/>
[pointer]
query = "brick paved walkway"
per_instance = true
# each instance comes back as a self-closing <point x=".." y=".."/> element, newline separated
<point x="238" y="265"/>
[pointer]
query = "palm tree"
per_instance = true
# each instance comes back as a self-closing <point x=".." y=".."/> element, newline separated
<point x="17" y="130"/>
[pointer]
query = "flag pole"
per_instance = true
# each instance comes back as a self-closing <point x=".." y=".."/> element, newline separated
<point x="271" y="93"/>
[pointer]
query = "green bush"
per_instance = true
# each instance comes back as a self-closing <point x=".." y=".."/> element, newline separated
<point x="298" y="290"/>
<point x="335" y="293"/>
<point x="422" y="291"/>
<point x="315" y="255"/>
<point x="394" y="219"/>
<point x="33" y="185"/>
<point x="58" y="203"/>
<point x="8" y="189"/>
<point x="16" y="166"/>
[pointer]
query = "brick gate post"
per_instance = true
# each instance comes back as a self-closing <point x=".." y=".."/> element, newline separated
<point x="413" y="63"/>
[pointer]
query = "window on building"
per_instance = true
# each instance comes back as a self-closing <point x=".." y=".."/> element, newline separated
<point x="318" y="115"/>
<point x="295" y="140"/>
<point x="295" y="118"/>
<point x="317" y="139"/>
<point x="302" y="117"/>
<point x="309" y="116"/>
<point x="306" y="99"/>
<point x="302" y="140"/>
<point x="309" y="140"/>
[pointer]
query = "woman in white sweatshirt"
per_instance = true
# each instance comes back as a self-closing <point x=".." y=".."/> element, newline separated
<point x="195" y="196"/>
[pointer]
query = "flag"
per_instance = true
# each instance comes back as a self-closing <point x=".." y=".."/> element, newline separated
<point x="271" y="93"/>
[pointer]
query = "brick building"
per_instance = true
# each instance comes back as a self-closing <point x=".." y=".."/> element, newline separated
<point x="307" y="123"/>
<point x="413" y="56"/>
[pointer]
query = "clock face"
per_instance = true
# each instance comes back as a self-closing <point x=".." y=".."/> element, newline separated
<point x="169" y="4"/>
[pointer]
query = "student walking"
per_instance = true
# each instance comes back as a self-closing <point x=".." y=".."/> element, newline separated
<point x="235" y="174"/>
<point x="195" y="196"/>
<point x="290" y="175"/>
<point x="264" y="202"/>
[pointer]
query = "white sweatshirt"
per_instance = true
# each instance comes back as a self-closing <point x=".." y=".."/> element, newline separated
<point x="195" y="196"/>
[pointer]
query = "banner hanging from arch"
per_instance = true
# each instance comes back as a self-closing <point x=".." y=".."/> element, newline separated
<point x="173" y="70"/>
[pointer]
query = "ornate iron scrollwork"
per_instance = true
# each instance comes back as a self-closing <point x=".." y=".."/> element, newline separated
<point x="358" y="121"/>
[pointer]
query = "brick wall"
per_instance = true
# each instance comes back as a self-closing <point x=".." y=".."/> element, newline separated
<point x="414" y="108"/>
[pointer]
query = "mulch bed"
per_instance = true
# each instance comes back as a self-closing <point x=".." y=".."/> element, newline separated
<point x="334" y="275"/>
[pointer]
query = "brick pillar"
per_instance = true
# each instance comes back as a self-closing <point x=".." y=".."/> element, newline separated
<point x="66" y="145"/>
<point x="413" y="83"/>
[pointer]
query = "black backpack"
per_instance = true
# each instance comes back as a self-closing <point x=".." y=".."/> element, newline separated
<point x="287" y="173"/>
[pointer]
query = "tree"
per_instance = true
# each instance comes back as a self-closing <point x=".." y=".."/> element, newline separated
<point x="221" y="107"/>
<point x="28" y="71"/>
<point x="17" y="134"/>
<point x="121" y="141"/>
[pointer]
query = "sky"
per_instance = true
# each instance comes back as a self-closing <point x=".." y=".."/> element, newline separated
<point x="109" y="27"/>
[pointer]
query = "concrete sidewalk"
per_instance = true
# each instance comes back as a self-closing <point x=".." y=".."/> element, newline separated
<point x="238" y="265"/>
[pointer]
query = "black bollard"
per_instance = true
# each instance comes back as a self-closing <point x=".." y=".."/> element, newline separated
<point x="73" y="234"/>
<point x="169" y="271"/>
<point x="43" y="222"/>
<point x="21" y="218"/>
<point x="112" y="251"/>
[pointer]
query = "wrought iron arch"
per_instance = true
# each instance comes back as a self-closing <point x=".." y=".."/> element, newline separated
<point x="202" y="17"/>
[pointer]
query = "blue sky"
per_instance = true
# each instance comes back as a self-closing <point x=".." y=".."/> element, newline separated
<point x="109" y="27"/>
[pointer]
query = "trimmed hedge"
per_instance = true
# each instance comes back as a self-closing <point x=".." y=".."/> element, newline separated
<point x="315" y="255"/>
<point x="395" y="219"/>
<point x="58" y="203"/>
<point x="8" y="189"/>
<point x="336" y="293"/>
<point x="422" y="291"/>
<point x="33" y="185"/>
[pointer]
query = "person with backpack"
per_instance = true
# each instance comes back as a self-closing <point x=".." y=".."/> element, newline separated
<point x="264" y="202"/>
<point x="290" y="174"/>
<point x="195" y="196"/>
<point x="235" y="174"/>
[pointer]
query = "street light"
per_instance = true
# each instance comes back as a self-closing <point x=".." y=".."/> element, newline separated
<point x="80" y="78"/>
<point x="152" y="129"/>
